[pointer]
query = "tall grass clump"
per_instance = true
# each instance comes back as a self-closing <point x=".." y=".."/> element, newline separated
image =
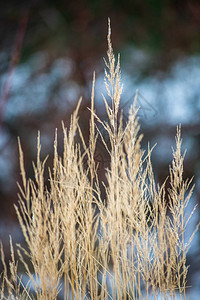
<point x="127" y="242"/>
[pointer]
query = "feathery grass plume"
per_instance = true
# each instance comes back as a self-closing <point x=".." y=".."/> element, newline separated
<point x="39" y="218"/>
<point x="130" y="245"/>
<point x="12" y="286"/>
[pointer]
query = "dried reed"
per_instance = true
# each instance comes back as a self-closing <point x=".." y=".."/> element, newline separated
<point x="128" y="245"/>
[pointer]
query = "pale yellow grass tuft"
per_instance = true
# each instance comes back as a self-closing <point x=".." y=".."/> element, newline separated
<point x="128" y="245"/>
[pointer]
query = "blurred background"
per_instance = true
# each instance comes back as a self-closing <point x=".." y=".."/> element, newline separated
<point x="48" y="52"/>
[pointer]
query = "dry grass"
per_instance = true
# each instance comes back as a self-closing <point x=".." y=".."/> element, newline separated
<point x="129" y="245"/>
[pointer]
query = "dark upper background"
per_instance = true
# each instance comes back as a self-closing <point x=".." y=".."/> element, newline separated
<point x="48" y="52"/>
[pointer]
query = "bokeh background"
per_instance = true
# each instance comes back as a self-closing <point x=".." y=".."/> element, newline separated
<point x="48" y="52"/>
